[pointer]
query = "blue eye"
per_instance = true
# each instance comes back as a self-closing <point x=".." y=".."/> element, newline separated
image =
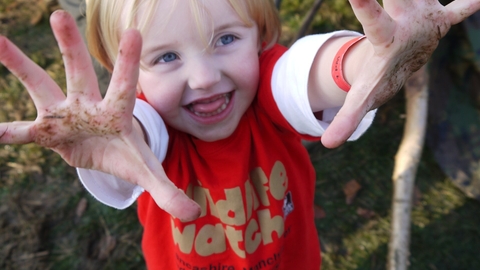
<point x="168" y="57"/>
<point x="225" y="40"/>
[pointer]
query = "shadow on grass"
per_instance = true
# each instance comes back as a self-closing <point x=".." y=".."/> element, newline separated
<point x="445" y="223"/>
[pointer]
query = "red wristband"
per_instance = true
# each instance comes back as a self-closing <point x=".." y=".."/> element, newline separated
<point x="337" y="65"/>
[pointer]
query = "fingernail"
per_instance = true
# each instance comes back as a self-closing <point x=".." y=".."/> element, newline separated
<point x="192" y="212"/>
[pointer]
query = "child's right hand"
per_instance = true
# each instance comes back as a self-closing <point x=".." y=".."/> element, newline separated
<point x="85" y="130"/>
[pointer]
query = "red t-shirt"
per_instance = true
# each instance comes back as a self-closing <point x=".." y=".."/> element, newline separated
<point x="256" y="191"/>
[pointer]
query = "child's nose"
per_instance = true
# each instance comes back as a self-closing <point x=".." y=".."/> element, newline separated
<point x="203" y="74"/>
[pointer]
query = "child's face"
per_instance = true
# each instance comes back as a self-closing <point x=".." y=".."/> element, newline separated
<point x="199" y="88"/>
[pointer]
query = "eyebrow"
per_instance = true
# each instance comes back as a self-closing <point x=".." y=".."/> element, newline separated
<point x="220" y="28"/>
<point x="230" y="25"/>
<point x="153" y="49"/>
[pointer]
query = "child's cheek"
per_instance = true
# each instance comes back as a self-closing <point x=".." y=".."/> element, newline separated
<point x="252" y="75"/>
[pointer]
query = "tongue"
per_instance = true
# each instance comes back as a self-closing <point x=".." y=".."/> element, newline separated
<point x="209" y="107"/>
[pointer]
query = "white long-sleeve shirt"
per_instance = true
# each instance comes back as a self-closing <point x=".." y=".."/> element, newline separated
<point x="290" y="91"/>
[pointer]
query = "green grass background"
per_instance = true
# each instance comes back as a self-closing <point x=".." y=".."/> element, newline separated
<point x="48" y="221"/>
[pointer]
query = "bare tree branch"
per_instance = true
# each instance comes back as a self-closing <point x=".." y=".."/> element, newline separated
<point x="308" y="19"/>
<point x="406" y="164"/>
<point x="278" y="3"/>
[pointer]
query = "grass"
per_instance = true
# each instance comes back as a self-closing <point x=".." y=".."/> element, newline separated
<point x="48" y="221"/>
<point x="445" y="223"/>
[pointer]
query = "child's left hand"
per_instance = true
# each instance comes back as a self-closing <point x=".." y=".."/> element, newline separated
<point x="403" y="34"/>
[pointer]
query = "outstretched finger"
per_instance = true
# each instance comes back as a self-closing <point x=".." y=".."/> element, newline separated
<point x="41" y="87"/>
<point x="81" y="82"/>
<point x="15" y="133"/>
<point x="458" y="10"/>
<point x="397" y="7"/>
<point x="122" y="89"/>
<point x="376" y="23"/>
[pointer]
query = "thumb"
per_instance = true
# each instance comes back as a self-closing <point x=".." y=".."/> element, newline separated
<point x="344" y="124"/>
<point x="142" y="168"/>
<point x="174" y="201"/>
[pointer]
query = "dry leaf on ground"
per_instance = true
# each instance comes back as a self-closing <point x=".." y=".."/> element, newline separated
<point x="319" y="212"/>
<point x="365" y="213"/>
<point x="350" y="189"/>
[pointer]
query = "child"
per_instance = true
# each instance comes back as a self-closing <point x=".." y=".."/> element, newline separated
<point x="228" y="183"/>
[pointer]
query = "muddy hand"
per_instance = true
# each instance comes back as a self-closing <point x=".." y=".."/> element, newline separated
<point x="86" y="130"/>
<point x="403" y="36"/>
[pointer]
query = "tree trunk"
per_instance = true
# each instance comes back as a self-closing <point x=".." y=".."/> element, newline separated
<point x="406" y="164"/>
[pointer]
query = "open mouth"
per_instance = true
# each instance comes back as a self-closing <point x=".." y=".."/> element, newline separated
<point x="210" y="107"/>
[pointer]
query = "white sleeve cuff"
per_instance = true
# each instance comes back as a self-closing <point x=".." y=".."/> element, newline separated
<point x="290" y="87"/>
<point x="113" y="191"/>
<point x="108" y="189"/>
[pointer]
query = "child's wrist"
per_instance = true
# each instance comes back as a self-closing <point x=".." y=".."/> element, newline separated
<point x="337" y="70"/>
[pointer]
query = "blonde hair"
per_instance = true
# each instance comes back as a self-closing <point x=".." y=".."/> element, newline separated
<point x="104" y="22"/>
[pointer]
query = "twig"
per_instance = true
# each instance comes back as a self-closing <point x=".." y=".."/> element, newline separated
<point x="278" y="3"/>
<point x="406" y="164"/>
<point x="308" y="19"/>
